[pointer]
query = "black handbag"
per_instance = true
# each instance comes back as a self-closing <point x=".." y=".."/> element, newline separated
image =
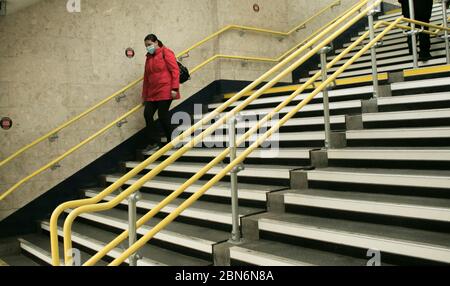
<point x="184" y="72"/>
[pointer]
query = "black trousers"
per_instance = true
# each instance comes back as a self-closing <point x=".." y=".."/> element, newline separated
<point x="151" y="129"/>
<point x="423" y="10"/>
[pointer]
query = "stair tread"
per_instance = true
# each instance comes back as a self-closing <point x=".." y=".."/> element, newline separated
<point x="202" y="206"/>
<point x="42" y="242"/>
<point x="375" y="231"/>
<point x="296" y="255"/>
<point x="213" y="152"/>
<point x="176" y="182"/>
<point x="19" y="260"/>
<point x="206" y="234"/>
<point x="412" y="201"/>
<point x="386" y="172"/>
<point x="275" y="171"/>
<point x="154" y="253"/>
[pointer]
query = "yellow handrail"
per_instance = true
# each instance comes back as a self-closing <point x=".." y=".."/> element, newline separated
<point x="73" y="120"/>
<point x="259" y="30"/>
<point x="135" y="109"/>
<point x="69" y="152"/>
<point x="192" y="199"/>
<point x="179" y="153"/>
<point x="243" y="155"/>
<point x="134" y="83"/>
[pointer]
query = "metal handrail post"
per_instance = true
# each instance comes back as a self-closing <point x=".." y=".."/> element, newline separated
<point x="445" y="25"/>
<point x="236" y="232"/>
<point x="132" y="213"/>
<point x="413" y="33"/>
<point x="326" y="105"/>
<point x="373" y="54"/>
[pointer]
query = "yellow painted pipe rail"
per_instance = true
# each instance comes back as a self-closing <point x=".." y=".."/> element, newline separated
<point x="68" y="123"/>
<point x="192" y="199"/>
<point x="258" y="30"/>
<point x="169" y="146"/>
<point x="282" y="56"/>
<point x="179" y="153"/>
<point x="68" y="153"/>
<point x="134" y="83"/>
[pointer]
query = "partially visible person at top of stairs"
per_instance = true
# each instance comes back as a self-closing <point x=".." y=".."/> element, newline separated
<point x="160" y="87"/>
<point x="422" y="10"/>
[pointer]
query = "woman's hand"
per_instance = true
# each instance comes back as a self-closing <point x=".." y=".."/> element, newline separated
<point x="174" y="94"/>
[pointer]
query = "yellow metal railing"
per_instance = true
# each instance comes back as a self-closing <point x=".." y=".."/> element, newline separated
<point x="89" y="208"/>
<point x="227" y="169"/>
<point x="138" y="107"/>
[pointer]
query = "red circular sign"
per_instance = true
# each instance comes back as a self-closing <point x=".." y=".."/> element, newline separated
<point x="129" y="53"/>
<point x="6" y="123"/>
<point x="256" y="8"/>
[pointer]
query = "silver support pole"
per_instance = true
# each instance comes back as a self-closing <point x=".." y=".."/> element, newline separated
<point x="373" y="54"/>
<point x="132" y="201"/>
<point x="326" y="105"/>
<point x="236" y="232"/>
<point x="412" y="16"/>
<point x="445" y="25"/>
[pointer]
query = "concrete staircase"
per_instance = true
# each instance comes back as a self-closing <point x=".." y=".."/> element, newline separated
<point x="386" y="189"/>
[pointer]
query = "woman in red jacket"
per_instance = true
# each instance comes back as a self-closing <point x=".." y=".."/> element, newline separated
<point x="160" y="88"/>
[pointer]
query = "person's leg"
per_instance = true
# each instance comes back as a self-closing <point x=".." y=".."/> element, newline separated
<point x="405" y="12"/>
<point x="424" y="15"/>
<point x="164" y="118"/>
<point x="425" y="44"/>
<point x="150" y="129"/>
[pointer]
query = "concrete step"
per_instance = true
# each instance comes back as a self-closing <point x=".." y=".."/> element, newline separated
<point x="408" y="242"/>
<point x="179" y="234"/>
<point x="390" y="68"/>
<point x="257" y="171"/>
<point x="96" y="238"/>
<point x="358" y="91"/>
<point x="273" y="253"/>
<point x="437" y="10"/>
<point x="417" y="99"/>
<point x="436" y="19"/>
<point x="401" y="49"/>
<point x="399" y="133"/>
<point x="385" y="58"/>
<point x="378" y="204"/>
<point x="38" y="246"/>
<point x="260" y="112"/>
<point x="392" y="41"/>
<point x="391" y="154"/>
<point x="366" y="63"/>
<point x="386" y="177"/>
<point x="200" y="210"/>
<point x="337" y="93"/>
<point x="17" y="260"/>
<point x="406" y="115"/>
<point x="250" y="192"/>
<point x="295" y="122"/>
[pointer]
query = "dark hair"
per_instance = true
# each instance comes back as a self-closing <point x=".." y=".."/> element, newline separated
<point x="153" y="38"/>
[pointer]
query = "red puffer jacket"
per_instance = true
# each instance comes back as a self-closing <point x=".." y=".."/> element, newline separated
<point x="161" y="76"/>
